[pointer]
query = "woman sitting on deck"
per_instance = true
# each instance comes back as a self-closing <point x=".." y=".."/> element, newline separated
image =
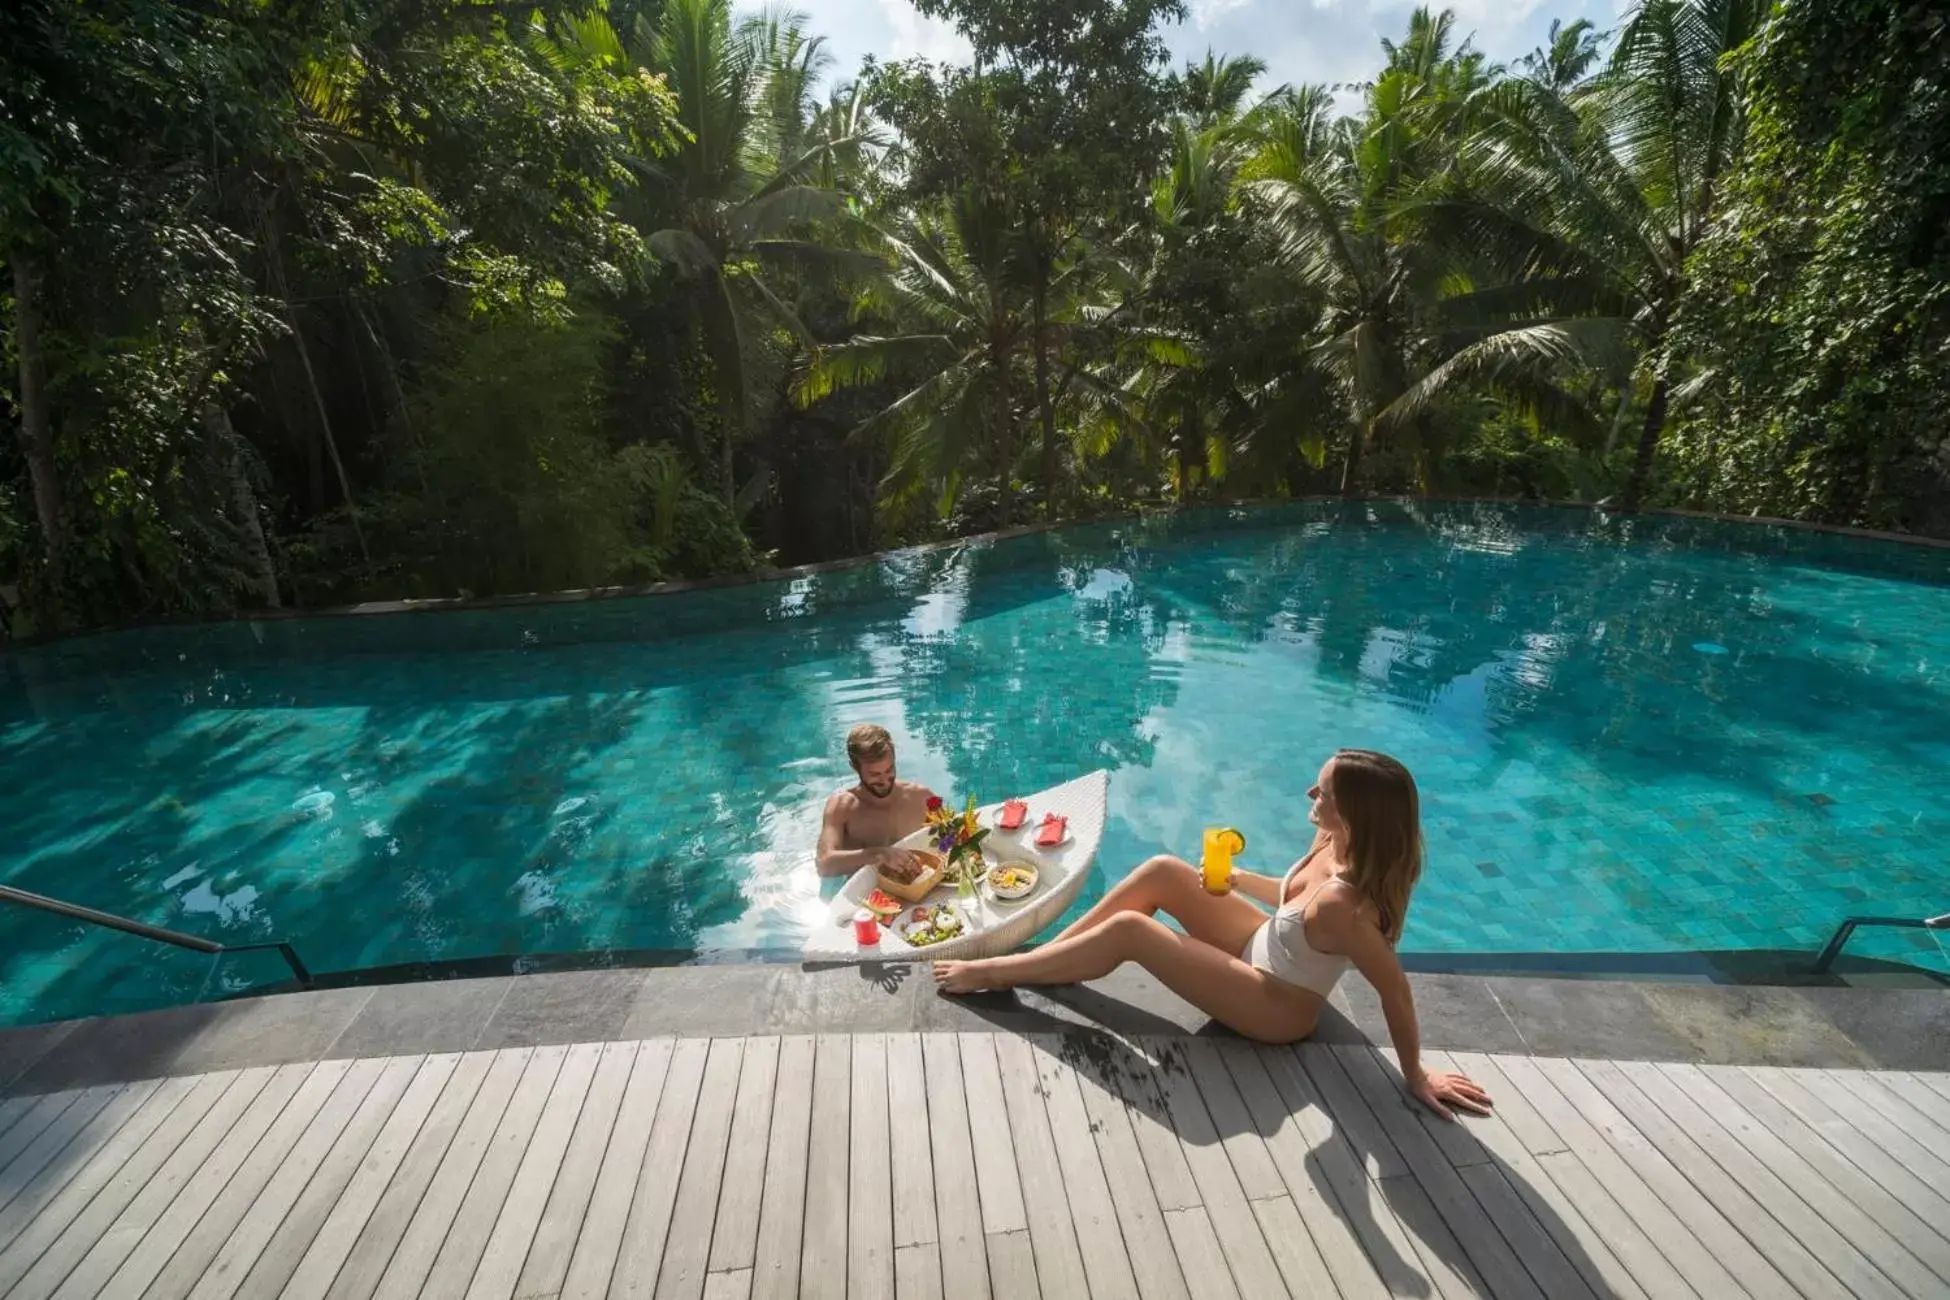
<point x="1268" y="977"/>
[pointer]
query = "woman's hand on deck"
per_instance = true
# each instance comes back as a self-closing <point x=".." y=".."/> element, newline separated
<point x="1440" y="1090"/>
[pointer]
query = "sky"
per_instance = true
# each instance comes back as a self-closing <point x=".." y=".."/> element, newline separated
<point x="1324" y="41"/>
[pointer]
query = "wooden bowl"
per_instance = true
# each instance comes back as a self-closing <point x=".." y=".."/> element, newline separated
<point x="917" y="889"/>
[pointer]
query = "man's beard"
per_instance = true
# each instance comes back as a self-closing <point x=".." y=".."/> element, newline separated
<point x="878" y="791"/>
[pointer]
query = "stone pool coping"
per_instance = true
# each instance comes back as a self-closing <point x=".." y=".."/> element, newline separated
<point x="582" y="594"/>
<point x="1906" y="1029"/>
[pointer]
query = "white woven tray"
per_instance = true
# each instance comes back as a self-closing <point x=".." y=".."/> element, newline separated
<point x="994" y="927"/>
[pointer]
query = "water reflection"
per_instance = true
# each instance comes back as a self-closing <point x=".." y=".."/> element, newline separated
<point x="649" y="774"/>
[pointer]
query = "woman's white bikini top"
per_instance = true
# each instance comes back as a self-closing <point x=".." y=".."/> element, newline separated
<point x="1280" y="946"/>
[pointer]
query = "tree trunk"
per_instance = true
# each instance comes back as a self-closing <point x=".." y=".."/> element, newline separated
<point x="36" y="416"/>
<point x="1655" y="423"/>
<point x="1351" y="471"/>
<point x="311" y="379"/>
<point x="243" y="500"/>
<point x="1045" y="407"/>
<point x="1005" y="497"/>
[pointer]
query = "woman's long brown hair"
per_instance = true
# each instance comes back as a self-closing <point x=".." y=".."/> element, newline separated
<point x="1378" y="803"/>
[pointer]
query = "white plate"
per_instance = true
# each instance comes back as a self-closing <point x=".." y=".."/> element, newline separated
<point x="905" y="921"/>
<point x="1031" y="829"/>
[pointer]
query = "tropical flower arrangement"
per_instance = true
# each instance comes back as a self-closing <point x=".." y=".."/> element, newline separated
<point x="957" y="836"/>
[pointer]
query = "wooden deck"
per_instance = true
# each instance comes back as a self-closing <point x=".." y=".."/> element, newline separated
<point x="973" y="1165"/>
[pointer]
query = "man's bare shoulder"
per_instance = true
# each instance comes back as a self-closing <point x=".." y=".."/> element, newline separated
<point x="915" y="789"/>
<point x="842" y="802"/>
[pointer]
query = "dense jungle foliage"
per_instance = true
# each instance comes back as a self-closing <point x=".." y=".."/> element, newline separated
<point x="308" y="302"/>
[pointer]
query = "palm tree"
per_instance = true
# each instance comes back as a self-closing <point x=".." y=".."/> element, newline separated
<point x="1212" y="92"/>
<point x="1590" y="205"/>
<point x="1565" y="59"/>
<point x="740" y="179"/>
<point x="960" y="283"/>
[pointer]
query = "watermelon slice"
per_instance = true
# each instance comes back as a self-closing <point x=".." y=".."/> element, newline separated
<point x="883" y="905"/>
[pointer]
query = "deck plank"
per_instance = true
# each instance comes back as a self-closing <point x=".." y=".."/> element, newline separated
<point x="1510" y="1249"/>
<point x="687" y="1255"/>
<point x="1587" y="1246"/>
<point x="161" y="1243"/>
<point x="647" y="1232"/>
<point x="54" y="1140"/>
<point x="733" y="1284"/>
<point x="782" y="1208"/>
<point x="1244" y="1146"/>
<point x="413" y="1255"/>
<point x="1898" y="1197"/>
<point x="316" y="1195"/>
<point x="406" y="1080"/>
<point x="1885" y="1232"/>
<point x="1705" y="1219"/>
<point x="1201" y="1259"/>
<point x="734" y="1237"/>
<point x="35" y="1120"/>
<point x="996" y="1174"/>
<point x="12" y="1108"/>
<point x="1135" y="1081"/>
<point x="1093" y="1213"/>
<point x="1862" y="1107"/>
<point x="1300" y="1141"/>
<point x="1694" y="1260"/>
<point x="473" y="1222"/>
<point x="910" y="1149"/>
<point x="1317" y="1150"/>
<point x="593" y="1261"/>
<point x="392" y="1212"/>
<point x="1636" y="1254"/>
<point x="1012" y="1266"/>
<point x="332" y="1244"/>
<point x="1447" y="1265"/>
<point x="823" y="1244"/>
<point x="546" y="1269"/>
<point x="1227" y="1210"/>
<point x="957" y="1197"/>
<point x="1153" y="1260"/>
<point x="869" y="1182"/>
<point x="498" y="1270"/>
<point x="1294" y="1251"/>
<point x="1918" y="1094"/>
<point x="95" y="1265"/>
<point x="917" y="1271"/>
<point x="1819" y="1261"/>
<point x="118" y="1127"/>
<point x="1917" y="1123"/>
<point x="1364" y="1132"/>
<point x="1052" y="1234"/>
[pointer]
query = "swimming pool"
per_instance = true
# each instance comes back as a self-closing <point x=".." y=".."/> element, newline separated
<point x="1632" y="736"/>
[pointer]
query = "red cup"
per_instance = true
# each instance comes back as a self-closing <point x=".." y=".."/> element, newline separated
<point x="866" y="928"/>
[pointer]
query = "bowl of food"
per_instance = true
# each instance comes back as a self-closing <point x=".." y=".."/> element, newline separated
<point x="931" y="923"/>
<point x="1012" y="880"/>
<point x="913" y="888"/>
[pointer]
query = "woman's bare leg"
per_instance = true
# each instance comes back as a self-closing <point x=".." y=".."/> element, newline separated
<point x="1217" y="983"/>
<point x="1168" y="884"/>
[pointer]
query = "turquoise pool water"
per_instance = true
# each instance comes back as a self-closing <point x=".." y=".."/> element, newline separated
<point x="1631" y="736"/>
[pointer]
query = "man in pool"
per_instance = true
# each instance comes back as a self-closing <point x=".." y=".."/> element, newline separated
<point x="863" y="821"/>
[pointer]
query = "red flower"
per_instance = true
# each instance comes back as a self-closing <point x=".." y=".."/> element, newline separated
<point x="934" y="803"/>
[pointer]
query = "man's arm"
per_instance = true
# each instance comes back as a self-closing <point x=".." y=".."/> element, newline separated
<point x="834" y="860"/>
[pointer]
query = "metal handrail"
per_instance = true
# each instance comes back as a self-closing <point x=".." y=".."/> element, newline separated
<point x="1847" y="928"/>
<point x="40" y="902"/>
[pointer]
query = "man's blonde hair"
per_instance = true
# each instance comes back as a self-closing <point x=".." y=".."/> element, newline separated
<point x="868" y="743"/>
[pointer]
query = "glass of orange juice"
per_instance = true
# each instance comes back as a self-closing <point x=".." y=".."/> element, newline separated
<point x="1221" y="842"/>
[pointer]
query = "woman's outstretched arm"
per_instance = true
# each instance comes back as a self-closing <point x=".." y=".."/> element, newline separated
<point x="1339" y="919"/>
